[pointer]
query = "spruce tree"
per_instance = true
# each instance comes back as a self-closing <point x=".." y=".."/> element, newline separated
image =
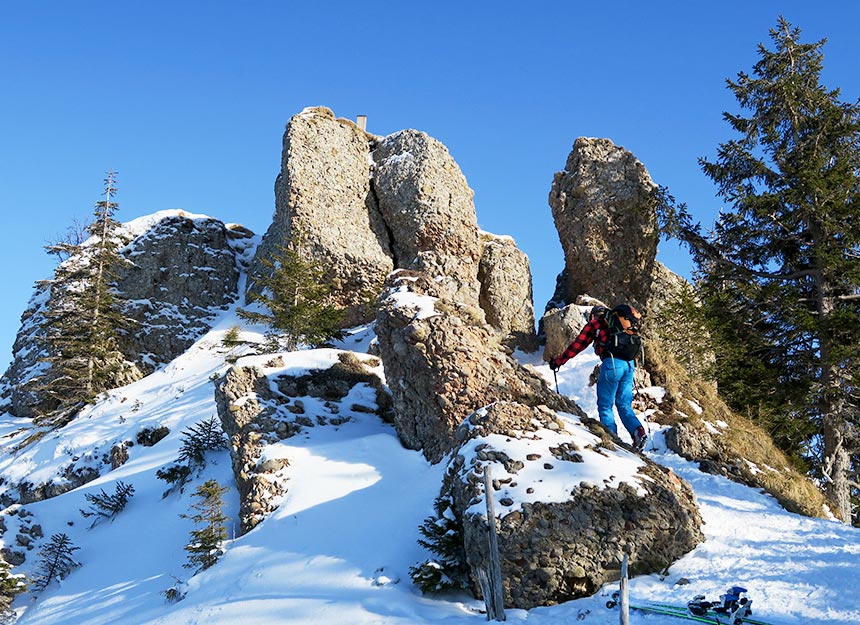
<point x="299" y="301"/>
<point x="84" y="318"/>
<point x="207" y="435"/>
<point x="206" y="545"/>
<point x="105" y="506"/>
<point x="442" y="536"/>
<point x="56" y="561"/>
<point x="781" y="269"/>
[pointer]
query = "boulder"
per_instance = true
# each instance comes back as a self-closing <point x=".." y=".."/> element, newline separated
<point x="561" y="537"/>
<point x="506" y="292"/>
<point x="560" y="327"/>
<point x="325" y="209"/>
<point x="605" y="214"/>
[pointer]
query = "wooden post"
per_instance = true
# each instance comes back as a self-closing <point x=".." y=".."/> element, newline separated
<point x="494" y="600"/>
<point x="623" y="598"/>
<point x="361" y="122"/>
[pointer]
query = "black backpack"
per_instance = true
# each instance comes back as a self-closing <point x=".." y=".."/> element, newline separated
<point x="624" y="339"/>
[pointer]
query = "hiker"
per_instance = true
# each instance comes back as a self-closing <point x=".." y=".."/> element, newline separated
<point x="617" y="348"/>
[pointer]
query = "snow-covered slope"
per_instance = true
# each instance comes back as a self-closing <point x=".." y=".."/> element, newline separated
<point x="339" y="548"/>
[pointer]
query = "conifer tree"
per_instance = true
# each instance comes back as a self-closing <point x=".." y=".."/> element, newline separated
<point x="299" y="300"/>
<point x="56" y="561"/>
<point x="105" y="506"/>
<point x="207" y="435"/>
<point x="84" y="319"/>
<point x="442" y="536"/>
<point x="206" y="545"/>
<point x="781" y="269"/>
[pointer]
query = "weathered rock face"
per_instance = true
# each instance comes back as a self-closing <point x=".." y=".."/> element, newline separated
<point x="607" y="223"/>
<point x="361" y="205"/>
<point x="325" y="208"/>
<point x="506" y="292"/>
<point x="260" y="404"/>
<point x="427" y="205"/>
<point x="442" y="363"/>
<point x="180" y="268"/>
<point x="563" y="545"/>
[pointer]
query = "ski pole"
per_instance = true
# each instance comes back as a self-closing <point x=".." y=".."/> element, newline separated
<point x="555" y="375"/>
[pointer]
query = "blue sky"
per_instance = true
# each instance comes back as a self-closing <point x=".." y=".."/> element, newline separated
<point x="188" y="102"/>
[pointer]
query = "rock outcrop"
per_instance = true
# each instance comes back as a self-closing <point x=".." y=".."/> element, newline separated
<point x="260" y="403"/>
<point x="360" y="205"/>
<point x="506" y="292"/>
<point x="561" y="537"/>
<point x="605" y="214"/>
<point x="325" y="209"/>
<point x="181" y="269"/>
<point x="442" y="363"/>
<point x="427" y="204"/>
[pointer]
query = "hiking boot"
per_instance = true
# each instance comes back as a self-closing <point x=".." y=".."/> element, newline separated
<point x="639" y="438"/>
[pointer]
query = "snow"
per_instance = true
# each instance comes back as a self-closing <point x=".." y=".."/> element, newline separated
<point x="424" y="305"/>
<point x="339" y="548"/>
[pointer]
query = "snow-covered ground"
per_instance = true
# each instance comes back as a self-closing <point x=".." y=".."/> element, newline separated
<point x="339" y="548"/>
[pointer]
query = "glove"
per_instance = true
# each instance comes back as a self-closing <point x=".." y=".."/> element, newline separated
<point x="553" y="364"/>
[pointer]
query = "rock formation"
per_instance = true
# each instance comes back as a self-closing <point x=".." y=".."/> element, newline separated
<point x="561" y="538"/>
<point x="181" y="269"/>
<point x="506" y="292"/>
<point x="259" y="403"/>
<point x="606" y="219"/>
<point x="442" y="363"/>
<point x="361" y="205"/>
<point x="428" y="207"/>
<point x="326" y="209"/>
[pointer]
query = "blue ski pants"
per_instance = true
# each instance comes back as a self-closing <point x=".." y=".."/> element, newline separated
<point x="615" y="386"/>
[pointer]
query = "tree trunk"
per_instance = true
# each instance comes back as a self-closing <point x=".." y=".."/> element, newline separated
<point x="837" y="467"/>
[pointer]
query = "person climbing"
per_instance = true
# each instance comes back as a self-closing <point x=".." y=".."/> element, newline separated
<point x="615" y="334"/>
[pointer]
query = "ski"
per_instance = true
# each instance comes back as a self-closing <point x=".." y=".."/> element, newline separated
<point x="673" y="612"/>
<point x="678" y="614"/>
<point x="683" y="611"/>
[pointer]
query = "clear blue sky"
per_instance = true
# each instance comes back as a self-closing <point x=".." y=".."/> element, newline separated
<point x="188" y="101"/>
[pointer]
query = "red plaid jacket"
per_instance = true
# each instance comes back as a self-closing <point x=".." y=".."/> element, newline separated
<point x="595" y="331"/>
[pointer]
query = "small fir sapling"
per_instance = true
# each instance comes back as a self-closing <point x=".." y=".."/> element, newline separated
<point x="206" y="545"/>
<point x="200" y="438"/>
<point x="444" y="538"/>
<point x="105" y="506"/>
<point x="56" y="561"/>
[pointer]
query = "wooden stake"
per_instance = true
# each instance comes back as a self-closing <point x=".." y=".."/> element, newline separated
<point x="494" y="600"/>
<point x="624" y="599"/>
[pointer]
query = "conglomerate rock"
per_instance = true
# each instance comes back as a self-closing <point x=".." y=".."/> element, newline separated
<point x="605" y="213"/>
<point x="566" y="539"/>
